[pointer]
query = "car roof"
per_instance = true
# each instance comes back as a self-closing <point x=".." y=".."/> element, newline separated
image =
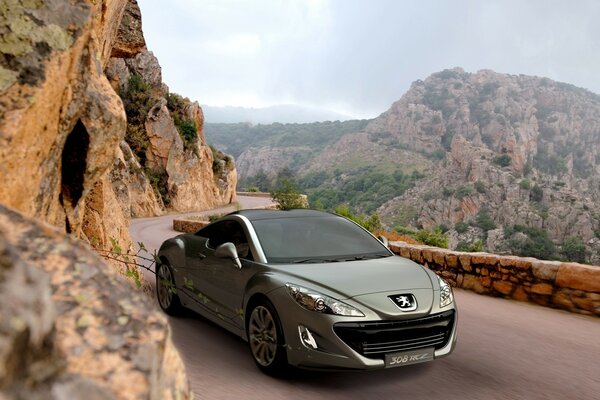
<point x="256" y="215"/>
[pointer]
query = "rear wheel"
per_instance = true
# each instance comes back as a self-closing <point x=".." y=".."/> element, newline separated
<point x="266" y="340"/>
<point x="166" y="291"/>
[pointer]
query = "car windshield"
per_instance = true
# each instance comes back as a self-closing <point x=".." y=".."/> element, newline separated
<point x="316" y="239"/>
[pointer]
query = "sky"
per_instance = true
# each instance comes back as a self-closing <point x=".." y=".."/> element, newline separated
<point x="357" y="57"/>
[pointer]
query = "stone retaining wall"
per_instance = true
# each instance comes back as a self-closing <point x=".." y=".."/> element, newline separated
<point x="188" y="226"/>
<point x="569" y="286"/>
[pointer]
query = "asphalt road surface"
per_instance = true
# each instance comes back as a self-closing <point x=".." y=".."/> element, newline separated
<point x="505" y="350"/>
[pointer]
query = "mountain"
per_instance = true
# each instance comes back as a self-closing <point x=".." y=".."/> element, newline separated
<point x="511" y="160"/>
<point x="284" y="113"/>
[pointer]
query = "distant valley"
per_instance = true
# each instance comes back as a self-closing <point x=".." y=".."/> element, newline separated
<point x="512" y="161"/>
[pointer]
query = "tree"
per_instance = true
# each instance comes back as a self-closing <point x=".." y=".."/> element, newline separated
<point x="287" y="196"/>
<point x="573" y="249"/>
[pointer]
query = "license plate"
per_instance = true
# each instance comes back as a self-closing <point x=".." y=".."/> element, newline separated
<point x="408" y="357"/>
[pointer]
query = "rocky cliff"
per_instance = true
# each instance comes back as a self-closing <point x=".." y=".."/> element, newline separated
<point x="70" y="327"/>
<point x="520" y="150"/>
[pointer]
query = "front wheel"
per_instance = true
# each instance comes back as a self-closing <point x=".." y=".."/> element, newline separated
<point x="266" y="340"/>
<point x="166" y="290"/>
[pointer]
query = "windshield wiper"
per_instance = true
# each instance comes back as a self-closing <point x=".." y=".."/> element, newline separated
<point x="369" y="257"/>
<point x="315" y="260"/>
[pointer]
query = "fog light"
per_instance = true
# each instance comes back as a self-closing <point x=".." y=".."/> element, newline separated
<point x="307" y="338"/>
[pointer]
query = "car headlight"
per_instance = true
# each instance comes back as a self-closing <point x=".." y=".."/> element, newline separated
<point x="318" y="302"/>
<point x="445" y="293"/>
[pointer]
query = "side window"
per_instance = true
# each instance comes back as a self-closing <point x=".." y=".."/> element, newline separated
<point x="227" y="231"/>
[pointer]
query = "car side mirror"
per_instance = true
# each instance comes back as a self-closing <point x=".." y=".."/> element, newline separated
<point x="228" y="250"/>
<point x="385" y="241"/>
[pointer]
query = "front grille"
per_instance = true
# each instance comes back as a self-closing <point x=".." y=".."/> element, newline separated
<point x="375" y="339"/>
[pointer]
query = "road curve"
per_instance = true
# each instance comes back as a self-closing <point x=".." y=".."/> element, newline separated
<point x="506" y="350"/>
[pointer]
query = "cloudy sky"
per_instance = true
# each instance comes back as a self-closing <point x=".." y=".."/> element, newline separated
<point x="358" y="56"/>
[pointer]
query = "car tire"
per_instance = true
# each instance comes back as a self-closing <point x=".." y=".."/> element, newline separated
<point x="166" y="291"/>
<point x="266" y="340"/>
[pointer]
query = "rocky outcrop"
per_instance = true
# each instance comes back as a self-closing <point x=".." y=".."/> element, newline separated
<point x="51" y="66"/>
<point x="71" y="328"/>
<point x="166" y="133"/>
<point x="524" y="150"/>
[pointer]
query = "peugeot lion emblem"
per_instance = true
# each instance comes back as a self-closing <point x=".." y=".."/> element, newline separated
<point x="405" y="302"/>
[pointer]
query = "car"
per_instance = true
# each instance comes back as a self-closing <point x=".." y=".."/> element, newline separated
<point x="308" y="289"/>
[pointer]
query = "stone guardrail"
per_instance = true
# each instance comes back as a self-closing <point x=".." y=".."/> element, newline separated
<point x="569" y="286"/>
<point x="254" y="194"/>
<point x="188" y="226"/>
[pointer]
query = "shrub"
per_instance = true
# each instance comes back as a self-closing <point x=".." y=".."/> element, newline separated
<point x="573" y="249"/>
<point x="371" y="223"/>
<point x="159" y="181"/>
<point x="188" y="132"/>
<point x="463" y="192"/>
<point x="405" y="230"/>
<point x="502" y="160"/>
<point x="537" y="243"/>
<point x="537" y="194"/>
<point x="525" y="184"/>
<point x="461" y="227"/>
<point x="287" y="196"/>
<point x="480" y="187"/>
<point x="432" y="238"/>
<point x="471" y="247"/>
<point x="485" y="221"/>
<point x="443" y="227"/>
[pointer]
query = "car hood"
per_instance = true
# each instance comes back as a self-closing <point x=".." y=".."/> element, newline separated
<point x="348" y="279"/>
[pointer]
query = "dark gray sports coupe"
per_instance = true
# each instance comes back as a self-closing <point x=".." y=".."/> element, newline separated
<point x="309" y="289"/>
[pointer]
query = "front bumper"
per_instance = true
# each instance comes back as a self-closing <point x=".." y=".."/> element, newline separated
<point x="351" y="343"/>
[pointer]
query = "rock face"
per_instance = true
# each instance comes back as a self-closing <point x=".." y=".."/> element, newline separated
<point x="74" y="328"/>
<point x="524" y="150"/>
<point x="166" y="142"/>
<point x="51" y="66"/>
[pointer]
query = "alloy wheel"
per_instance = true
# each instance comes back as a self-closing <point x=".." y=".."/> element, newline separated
<point x="262" y="335"/>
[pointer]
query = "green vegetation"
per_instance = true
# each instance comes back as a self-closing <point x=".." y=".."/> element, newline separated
<point x="536" y="242"/>
<point x="436" y="237"/>
<point x="432" y="238"/>
<point x="461" y="226"/>
<point x="287" y="195"/>
<point x="463" y="191"/>
<point x="525" y="184"/>
<point x="537" y="194"/>
<point x="371" y="223"/>
<point x="484" y="221"/>
<point x="137" y="101"/>
<point x="159" y="181"/>
<point x="221" y="163"/>
<point x="470" y="247"/>
<point x="573" y="249"/>
<point x="503" y="160"/>
<point x="363" y="189"/>
<point x="480" y="187"/>
<point x="235" y="138"/>
<point x="185" y="126"/>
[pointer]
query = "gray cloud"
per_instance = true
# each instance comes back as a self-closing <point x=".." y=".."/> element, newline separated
<point x="357" y="57"/>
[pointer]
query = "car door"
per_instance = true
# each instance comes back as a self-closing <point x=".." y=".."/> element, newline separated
<point x="219" y="281"/>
